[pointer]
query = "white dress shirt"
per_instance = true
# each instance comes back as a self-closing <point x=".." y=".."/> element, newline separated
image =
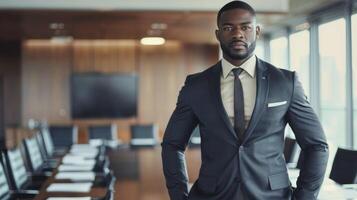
<point x="248" y="80"/>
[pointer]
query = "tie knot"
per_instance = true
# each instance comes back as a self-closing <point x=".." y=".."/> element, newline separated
<point x="237" y="71"/>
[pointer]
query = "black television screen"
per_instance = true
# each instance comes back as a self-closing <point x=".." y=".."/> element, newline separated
<point x="96" y="95"/>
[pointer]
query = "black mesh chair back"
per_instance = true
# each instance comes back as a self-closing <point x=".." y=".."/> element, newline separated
<point x="47" y="141"/>
<point x="105" y="132"/>
<point x="300" y="162"/>
<point x="64" y="136"/>
<point x="344" y="167"/>
<point x="33" y="154"/>
<point x="41" y="145"/>
<point x="291" y="150"/>
<point x="4" y="185"/>
<point x="144" y="135"/>
<point x="16" y="168"/>
<point x="109" y="195"/>
<point x="195" y="140"/>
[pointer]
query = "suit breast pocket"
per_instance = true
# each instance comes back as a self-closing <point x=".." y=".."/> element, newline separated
<point x="276" y="112"/>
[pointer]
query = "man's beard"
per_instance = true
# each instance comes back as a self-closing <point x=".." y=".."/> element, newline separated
<point x="238" y="56"/>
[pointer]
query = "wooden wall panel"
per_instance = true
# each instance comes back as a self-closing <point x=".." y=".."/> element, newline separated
<point x="83" y="56"/>
<point x="46" y="69"/>
<point x="108" y="56"/>
<point x="200" y="57"/>
<point x="10" y="70"/>
<point x="114" y="56"/>
<point x="10" y="91"/>
<point x="45" y="82"/>
<point x="162" y="73"/>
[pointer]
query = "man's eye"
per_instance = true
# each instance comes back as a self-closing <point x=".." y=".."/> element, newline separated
<point x="246" y="28"/>
<point x="227" y="28"/>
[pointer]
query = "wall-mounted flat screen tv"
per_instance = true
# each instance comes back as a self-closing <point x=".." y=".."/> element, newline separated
<point x="99" y="95"/>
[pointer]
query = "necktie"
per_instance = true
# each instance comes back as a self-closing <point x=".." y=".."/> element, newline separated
<point x="238" y="104"/>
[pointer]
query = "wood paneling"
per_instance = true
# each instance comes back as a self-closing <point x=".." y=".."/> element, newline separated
<point x="108" y="56"/>
<point x="10" y="73"/>
<point x="162" y="73"/>
<point x="10" y="70"/>
<point x="46" y="71"/>
<point x="162" y="70"/>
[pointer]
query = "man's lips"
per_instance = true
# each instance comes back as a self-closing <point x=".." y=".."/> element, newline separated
<point x="238" y="44"/>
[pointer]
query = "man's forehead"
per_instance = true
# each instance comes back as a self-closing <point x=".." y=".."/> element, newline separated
<point x="236" y="16"/>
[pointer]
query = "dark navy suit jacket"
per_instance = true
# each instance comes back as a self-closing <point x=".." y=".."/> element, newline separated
<point x="257" y="163"/>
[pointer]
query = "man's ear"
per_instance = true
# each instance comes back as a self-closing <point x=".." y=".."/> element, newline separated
<point x="217" y="34"/>
<point x="257" y="31"/>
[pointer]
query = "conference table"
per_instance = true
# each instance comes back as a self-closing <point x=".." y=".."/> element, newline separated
<point x="82" y="183"/>
<point x="330" y="190"/>
<point x="139" y="177"/>
<point x="95" y="192"/>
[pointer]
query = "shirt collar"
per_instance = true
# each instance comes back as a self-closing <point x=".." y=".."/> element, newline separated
<point x="248" y="66"/>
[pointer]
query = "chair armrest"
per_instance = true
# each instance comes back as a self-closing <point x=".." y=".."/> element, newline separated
<point x="40" y="177"/>
<point x="24" y="193"/>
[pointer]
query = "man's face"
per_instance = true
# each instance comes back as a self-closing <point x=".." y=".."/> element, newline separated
<point x="237" y="34"/>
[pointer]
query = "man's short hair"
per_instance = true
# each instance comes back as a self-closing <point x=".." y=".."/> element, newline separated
<point x="235" y="5"/>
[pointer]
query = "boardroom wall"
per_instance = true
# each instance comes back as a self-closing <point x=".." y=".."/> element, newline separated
<point x="46" y="68"/>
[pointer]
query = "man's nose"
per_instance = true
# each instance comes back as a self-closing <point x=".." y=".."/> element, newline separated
<point x="237" y="33"/>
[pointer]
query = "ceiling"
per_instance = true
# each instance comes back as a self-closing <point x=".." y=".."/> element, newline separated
<point x="140" y="5"/>
<point x="191" y="26"/>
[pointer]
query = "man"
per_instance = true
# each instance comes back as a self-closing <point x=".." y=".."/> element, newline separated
<point x="242" y="105"/>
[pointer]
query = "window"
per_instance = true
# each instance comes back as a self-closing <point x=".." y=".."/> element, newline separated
<point x="279" y="52"/>
<point x="259" y="49"/>
<point x="299" y="57"/>
<point x="354" y="78"/>
<point x="332" y="51"/>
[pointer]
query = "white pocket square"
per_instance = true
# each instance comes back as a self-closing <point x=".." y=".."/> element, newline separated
<point x="274" y="104"/>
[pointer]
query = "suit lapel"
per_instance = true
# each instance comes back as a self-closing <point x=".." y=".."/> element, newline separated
<point x="261" y="97"/>
<point x="215" y="91"/>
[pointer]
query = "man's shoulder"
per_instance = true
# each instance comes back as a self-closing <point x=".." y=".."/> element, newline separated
<point x="277" y="71"/>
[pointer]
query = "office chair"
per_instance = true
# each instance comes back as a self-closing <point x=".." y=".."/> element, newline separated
<point x="48" y="160"/>
<point x="64" y="136"/>
<point x="300" y="162"/>
<point x="291" y="151"/>
<point x="33" y="158"/>
<point x="6" y="193"/>
<point x="16" y="170"/>
<point x="109" y="182"/>
<point x="104" y="134"/>
<point x="106" y="179"/>
<point x="344" y="167"/>
<point x="49" y="147"/>
<point x="195" y="140"/>
<point x="144" y="135"/>
<point x="109" y="195"/>
<point x="4" y="186"/>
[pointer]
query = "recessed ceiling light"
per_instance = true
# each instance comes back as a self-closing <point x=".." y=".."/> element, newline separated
<point x="158" y="26"/>
<point x="61" y="39"/>
<point x="56" y="26"/>
<point x="152" y="41"/>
